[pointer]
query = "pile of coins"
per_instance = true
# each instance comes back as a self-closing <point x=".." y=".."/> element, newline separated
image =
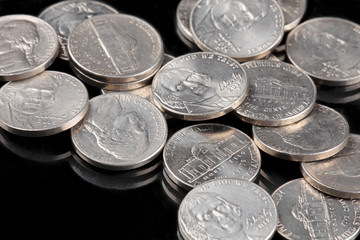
<point x="211" y="169"/>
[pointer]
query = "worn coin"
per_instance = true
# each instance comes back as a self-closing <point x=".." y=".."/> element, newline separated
<point x="183" y="12"/>
<point x="327" y="48"/>
<point x="121" y="131"/>
<point x="200" y="86"/>
<point x="207" y="151"/>
<point x="227" y="209"/>
<point x="338" y="175"/>
<point x="293" y="11"/>
<point x="116" y="48"/>
<point x="306" y="213"/>
<point x="322" y="134"/>
<point x="279" y="94"/>
<point x="241" y="29"/>
<point x="45" y="104"/>
<point x="28" y="46"/>
<point x="64" y="16"/>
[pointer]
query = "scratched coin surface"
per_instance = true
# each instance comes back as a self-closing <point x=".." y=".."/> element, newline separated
<point x="293" y="11"/>
<point x="116" y="48"/>
<point x="28" y="46"/>
<point x="183" y="12"/>
<point x="121" y="131"/>
<point x="46" y="104"/>
<point x="66" y="15"/>
<point x="279" y="94"/>
<point x="200" y="86"/>
<point x="308" y="214"/>
<point x="207" y="151"/>
<point x="327" y="48"/>
<point x="322" y="134"/>
<point x="242" y="29"/>
<point x="337" y="175"/>
<point x="227" y="209"/>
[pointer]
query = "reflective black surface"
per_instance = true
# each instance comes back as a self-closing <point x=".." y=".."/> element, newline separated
<point x="46" y="194"/>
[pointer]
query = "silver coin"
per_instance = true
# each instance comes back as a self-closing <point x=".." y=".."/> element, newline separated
<point x="242" y="29"/>
<point x="121" y="131"/>
<point x="28" y="46"/>
<point x="116" y="48"/>
<point x="175" y="193"/>
<point x="110" y="86"/>
<point x="306" y="213"/>
<point x="183" y="12"/>
<point x="227" y="209"/>
<point x="271" y="57"/>
<point x="203" y="152"/>
<point x="327" y="48"/>
<point x="338" y="175"/>
<point x="200" y="86"/>
<point x="66" y="15"/>
<point x="46" y="104"/>
<point x="293" y="11"/>
<point x="337" y="97"/>
<point x="279" y="94"/>
<point x="322" y="134"/>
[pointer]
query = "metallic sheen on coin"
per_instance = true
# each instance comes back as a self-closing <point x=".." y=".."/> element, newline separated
<point x="183" y="12"/>
<point x="200" y="86"/>
<point x="242" y="29"/>
<point x="121" y="131"/>
<point x="46" y="104"/>
<point x="116" y="48"/>
<point x="322" y="134"/>
<point x="64" y="16"/>
<point x="293" y="11"/>
<point x="28" y="46"/>
<point x="338" y="175"/>
<point x="279" y="94"/>
<point x="203" y="152"/>
<point x="307" y="214"/>
<point x="327" y="48"/>
<point x="227" y="209"/>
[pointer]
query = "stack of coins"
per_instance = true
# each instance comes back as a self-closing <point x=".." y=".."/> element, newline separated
<point x="115" y="51"/>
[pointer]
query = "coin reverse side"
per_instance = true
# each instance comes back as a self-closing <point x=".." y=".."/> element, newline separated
<point x="227" y="209"/>
<point x="307" y="214"/>
<point x="46" y="104"/>
<point x="121" y="131"/>
<point x="203" y="152"/>
<point x="322" y="134"/>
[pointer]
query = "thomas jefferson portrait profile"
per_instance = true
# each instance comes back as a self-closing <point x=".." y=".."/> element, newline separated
<point x="18" y="39"/>
<point x="210" y="216"/>
<point x="190" y="91"/>
<point x="120" y="132"/>
<point x="26" y="104"/>
<point x="226" y="18"/>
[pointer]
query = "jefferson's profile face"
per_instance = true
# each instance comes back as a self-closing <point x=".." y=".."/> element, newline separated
<point x="32" y="99"/>
<point x="219" y="218"/>
<point x="232" y="14"/>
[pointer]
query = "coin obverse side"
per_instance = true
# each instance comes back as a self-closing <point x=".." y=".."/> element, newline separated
<point x="43" y="105"/>
<point x="279" y="94"/>
<point x="227" y="209"/>
<point x="326" y="48"/>
<point x="338" y="175"/>
<point x="200" y="86"/>
<point x="322" y="134"/>
<point x="28" y="44"/>
<point x="121" y="131"/>
<point x="66" y="15"/>
<point x="242" y="29"/>
<point x="116" y="48"/>
<point x="183" y="12"/>
<point x="293" y="11"/>
<point x="203" y="152"/>
<point x="307" y="214"/>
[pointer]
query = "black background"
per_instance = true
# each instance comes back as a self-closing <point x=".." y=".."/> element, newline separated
<point x="44" y="198"/>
